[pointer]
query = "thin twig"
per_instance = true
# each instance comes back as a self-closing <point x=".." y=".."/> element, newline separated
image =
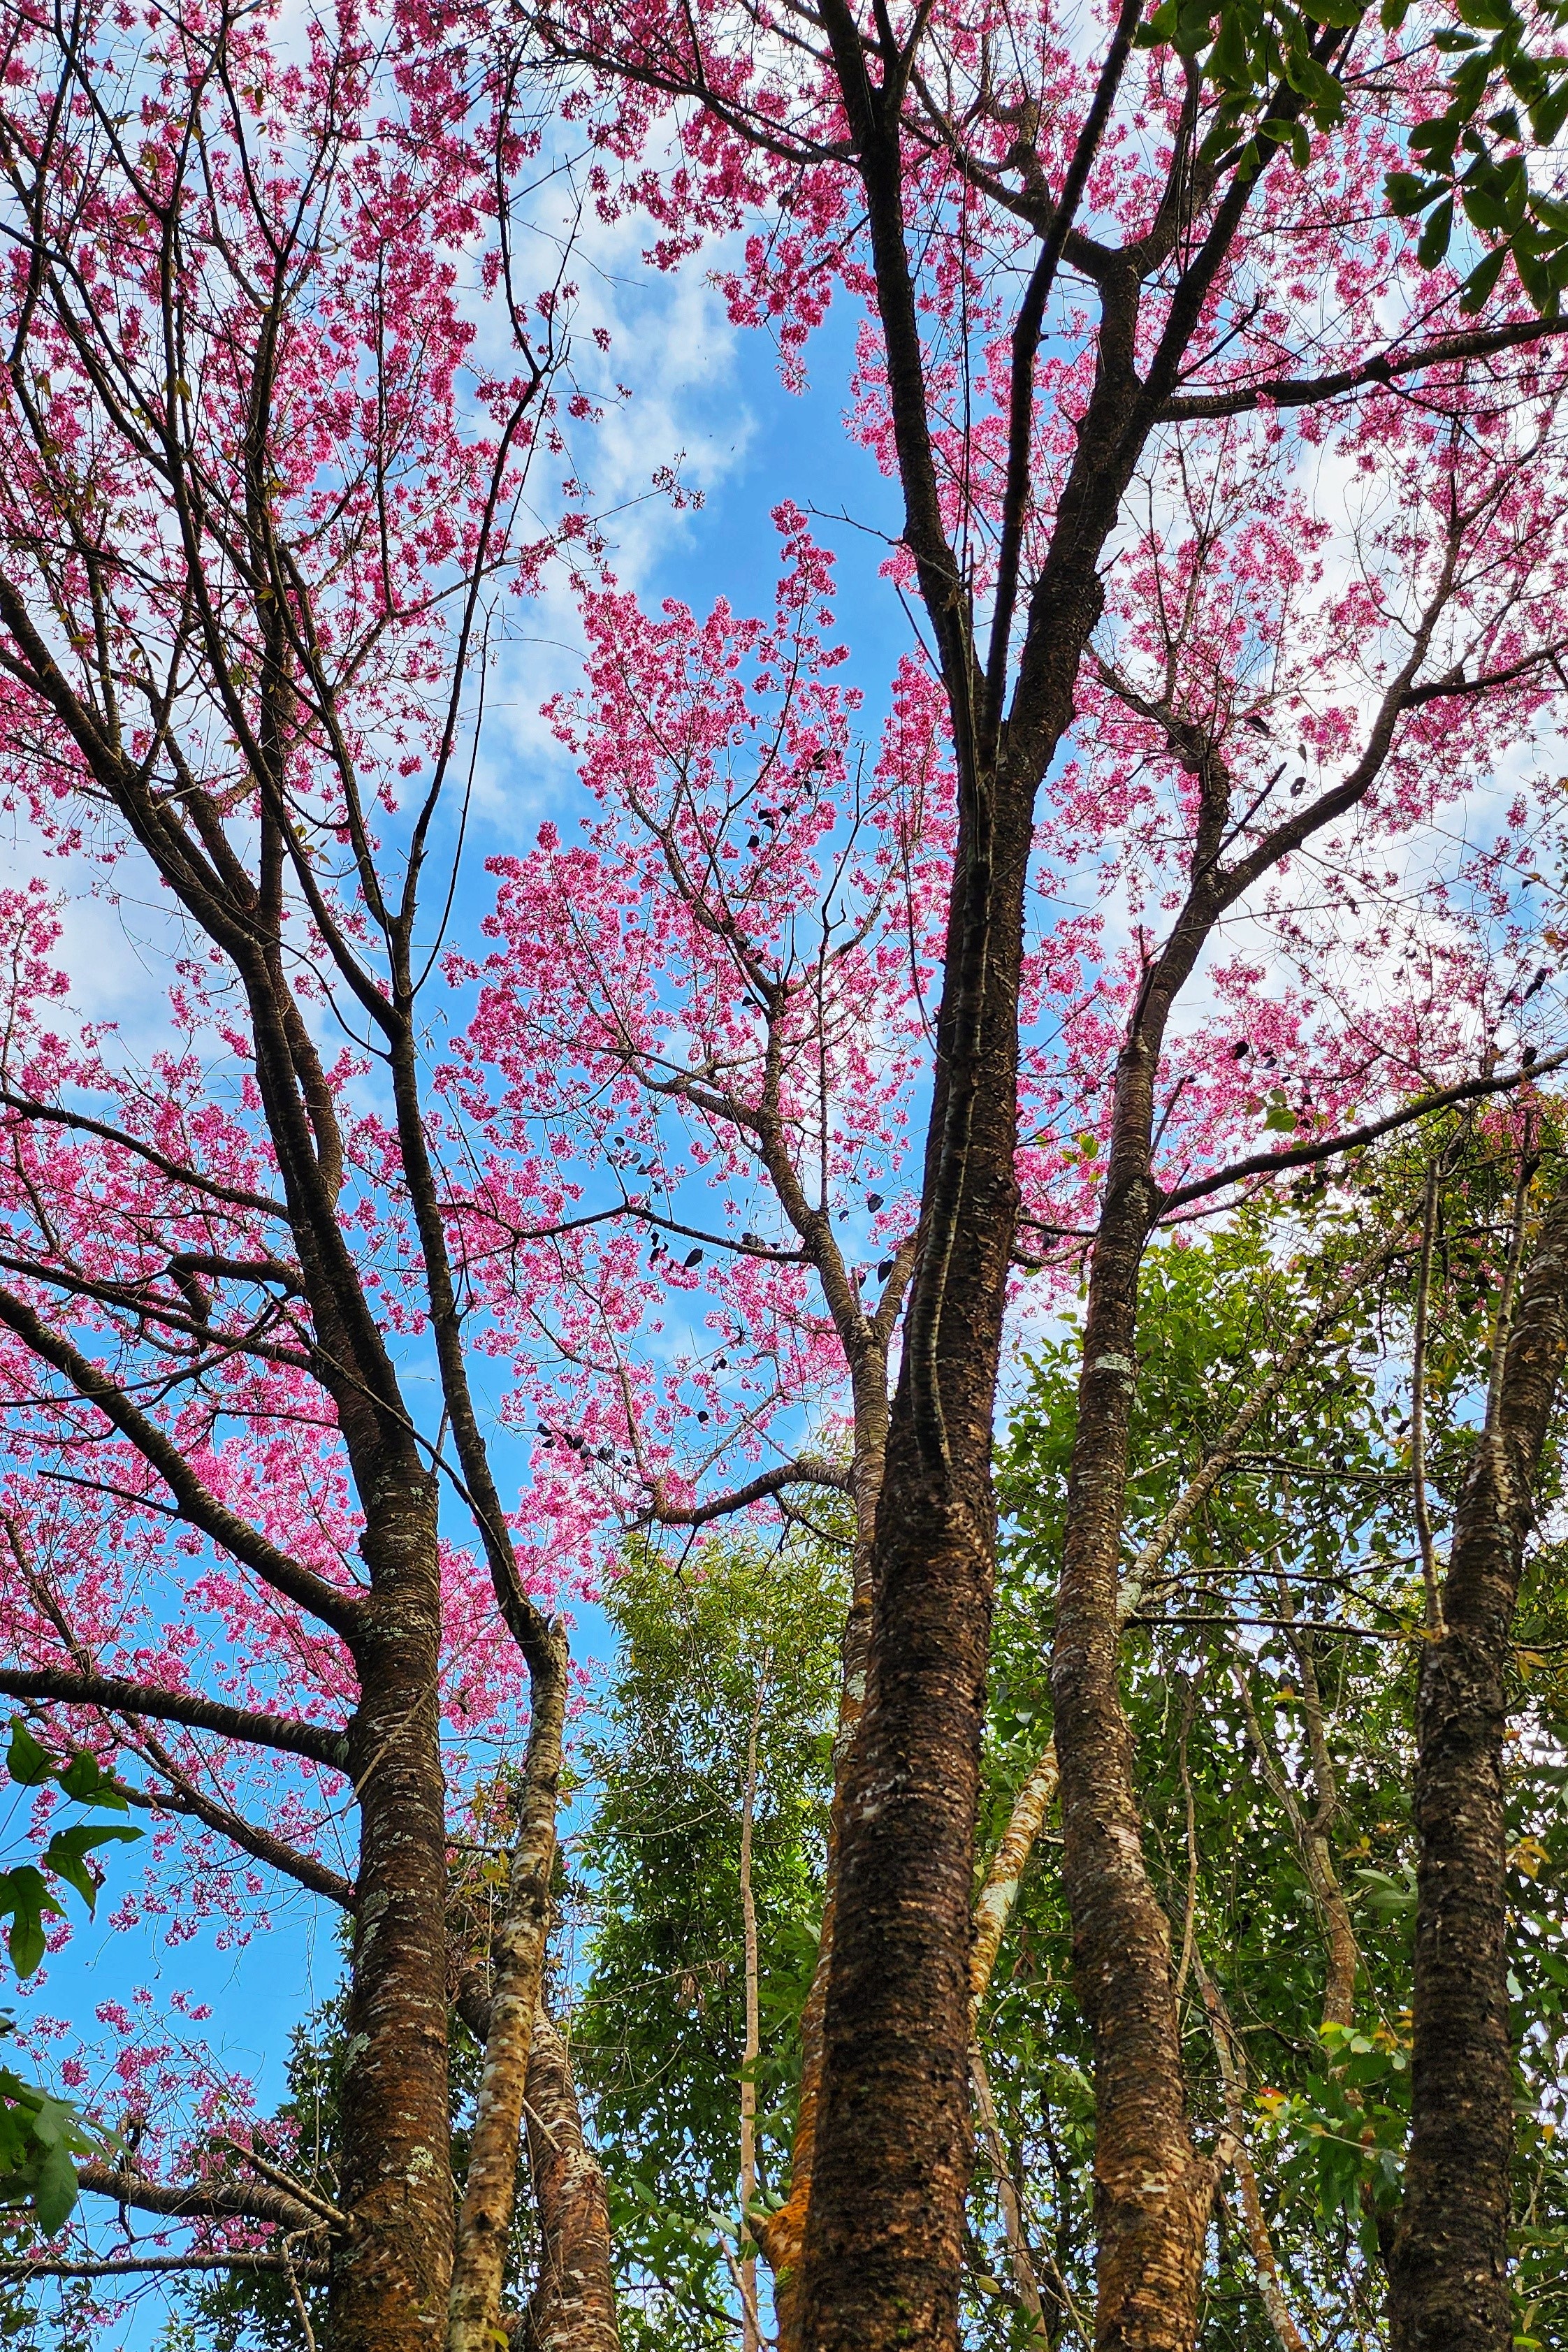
<point x="1430" y="1577"/>
<point x="1233" y="2084"/>
<point x="1528" y="1164"/>
<point x="297" y="2298"/>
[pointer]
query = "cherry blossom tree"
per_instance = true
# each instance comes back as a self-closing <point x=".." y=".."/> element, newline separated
<point x="719" y="998"/>
<point x="273" y="392"/>
<point x="1238" y="551"/>
<point x="1235" y="533"/>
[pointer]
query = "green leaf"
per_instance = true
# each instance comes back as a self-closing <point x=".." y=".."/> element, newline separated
<point x="84" y="1779"/>
<point x="1548" y="115"/>
<point x="1435" y="236"/>
<point x="1193" y="28"/>
<point x="1481" y="279"/>
<point x="1227" y="61"/>
<point x="66" y="1851"/>
<point x="1409" y="193"/>
<point x="54" y="2181"/>
<point x="24" y="1897"/>
<point x="25" y="1761"/>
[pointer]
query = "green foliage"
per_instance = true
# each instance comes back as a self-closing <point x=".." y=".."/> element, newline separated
<point x="1295" y="1590"/>
<point x="40" y="2135"/>
<point x="26" y="1895"/>
<point x="1508" y="101"/>
<point x="1250" y="49"/>
<point x="39" y="2140"/>
<point x="657" y="2032"/>
<point x="1299" y="1572"/>
<point x="1470" y="165"/>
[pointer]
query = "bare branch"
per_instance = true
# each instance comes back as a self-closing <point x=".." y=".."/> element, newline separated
<point x="1304" y="391"/>
<point x="1307" y="1155"/>
<point x="121" y="1698"/>
<point x="806" y="1470"/>
<point x="136" y="2265"/>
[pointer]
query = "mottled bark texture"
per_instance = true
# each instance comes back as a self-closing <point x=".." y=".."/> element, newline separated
<point x="1448" y="2266"/>
<point x="895" y="2095"/>
<point x="573" y="2304"/>
<point x="780" y="2234"/>
<point x="994" y="1905"/>
<point x="1152" y="2188"/>
<point x="516" y="1976"/>
<point x="390" y="2270"/>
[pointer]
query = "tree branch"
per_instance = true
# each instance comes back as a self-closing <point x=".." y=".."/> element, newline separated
<point x="198" y="2201"/>
<point x="135" y="2265"/>
<point x="1302" y="392"/>
<point x="333" y="1607"/>
<point x="121" y="1698"/>
<point x="1306" y="1155"/>
<point x="807" y="1470"/>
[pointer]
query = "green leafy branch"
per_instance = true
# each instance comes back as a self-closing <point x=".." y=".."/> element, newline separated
<point x="26" y="1895"/>
<point x="40" y="2135"/>
<point x="1474" y="164"/>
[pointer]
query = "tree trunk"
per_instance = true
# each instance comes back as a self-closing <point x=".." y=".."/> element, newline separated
<point x="1449" y="2259"/>
<point x="751" y="2333"/>
<point x="573" y="2305"/>
<point x="517" y="1975"/>
<point x="1154" y="2191"/>
<point x="780" y="2234"/>
<point x="894" y="2105"/>
<point x="388" y="2290"/>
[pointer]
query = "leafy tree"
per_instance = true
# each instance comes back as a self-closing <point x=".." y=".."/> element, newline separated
<point x="1103" y="374"/>
<point x="1290" y="1610"/>
<point x="740" y="1644"/>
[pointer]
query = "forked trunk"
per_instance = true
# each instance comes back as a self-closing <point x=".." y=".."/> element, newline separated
<point x="1449" y="2259"/>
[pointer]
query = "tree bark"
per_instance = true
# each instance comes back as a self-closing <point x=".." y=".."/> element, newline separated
<point x="573" y="2304"/>
<point x="1448" y="2267"/>
<point x="895" y="2090"/>
<point x="995" y="1903"/>
<point x="780" y="2234"/>
<point x="516" y="1976"/>
<point x="751" y="2333"/>
<point x="390" y="2271"/>
<point x="1154" y="2191"/>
